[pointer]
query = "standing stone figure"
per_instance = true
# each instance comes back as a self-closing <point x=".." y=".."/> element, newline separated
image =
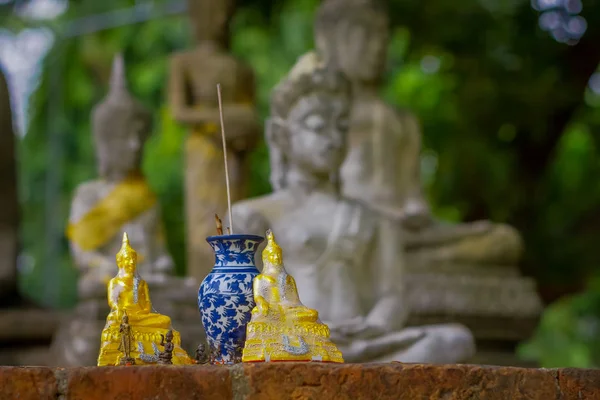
<point x="383" y="165"/>
<point x="166" y="356"/>
<point x="121" y="199"/>
<point x="125" y="344"/>
<point x="348" y="261"/>
<point x="193" y="101"/>
<point x="9" y="206"/>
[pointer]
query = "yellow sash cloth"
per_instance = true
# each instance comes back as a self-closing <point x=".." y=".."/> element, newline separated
<point x="127" y="201"/>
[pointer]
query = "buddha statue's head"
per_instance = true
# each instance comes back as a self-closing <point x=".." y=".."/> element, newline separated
<point x="127" y="257"/>
<point x="272" y="254"/>
<point x="120" y="126"/>
<point x="353" y="35"/>
<point x="169" y="336"/>
<point x="210" y="20"/>
<point x="309" y="122"/>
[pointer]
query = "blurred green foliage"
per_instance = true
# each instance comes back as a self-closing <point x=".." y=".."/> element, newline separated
<point x="510" y="133"/>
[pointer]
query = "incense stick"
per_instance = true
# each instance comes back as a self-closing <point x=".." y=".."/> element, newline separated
<point x="225" y="157"/>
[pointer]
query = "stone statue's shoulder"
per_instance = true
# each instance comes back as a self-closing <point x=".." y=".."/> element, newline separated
<point x="89" y="191"/>
<point x="253" y="215"/>
<point x="245" y="72"/>
<point x="86" y="195"/>
<point x="179" y="57"/>
<point x="368" y="217"/>
<point x="401" y="115"/>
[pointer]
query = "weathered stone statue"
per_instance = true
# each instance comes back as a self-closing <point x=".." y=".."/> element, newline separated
<point x="192" y="89"/>
<point x="120" y="200"/>
<point x="466" y="272"/>
<point x="347" y="260"/>
<point x="9" y="206"/>
<point x="382" y="167"/>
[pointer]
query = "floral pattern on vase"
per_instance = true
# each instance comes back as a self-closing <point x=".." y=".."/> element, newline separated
<point x="225" y="297"/>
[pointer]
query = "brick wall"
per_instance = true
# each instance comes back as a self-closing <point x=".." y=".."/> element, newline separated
<point x="300" y="381"/>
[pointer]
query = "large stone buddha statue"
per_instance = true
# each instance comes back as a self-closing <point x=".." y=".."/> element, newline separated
<point x="193" y="78"/>
<point x="129" y="296"/>
<point x="347" y="260"/>
<point x="121" y="198"/>
<point x="383" y="163"/>
<point x="463" y="272"/>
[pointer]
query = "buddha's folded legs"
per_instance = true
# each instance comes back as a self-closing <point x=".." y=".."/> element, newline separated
<point x="502" y="245"/>
<point x="429" y="344"/>
<point x="441" y="344"/>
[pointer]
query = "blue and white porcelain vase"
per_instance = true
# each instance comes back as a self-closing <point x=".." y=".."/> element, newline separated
<point x="225" y="297"/>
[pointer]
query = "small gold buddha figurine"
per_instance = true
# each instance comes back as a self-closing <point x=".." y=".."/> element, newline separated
<point x="281" y="327"/>
<point x="132" y="326"/>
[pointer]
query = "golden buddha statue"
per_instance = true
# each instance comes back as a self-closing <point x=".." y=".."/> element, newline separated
<point x="128" y="295"/>
<point x="282" y="328"/>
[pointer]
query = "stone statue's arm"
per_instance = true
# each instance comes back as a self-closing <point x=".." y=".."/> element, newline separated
<point x="84" y="260"/>
<point x="235" y="114"/>
<point x="179" y="97"/>
<point x="415" y="210"/>
<point x="442" y="234"/>
<point x="161" y="259"/>
<point x="391" y="309"/>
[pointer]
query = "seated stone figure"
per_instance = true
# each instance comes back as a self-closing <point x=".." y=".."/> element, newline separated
<point x="464" y="272"/>
<point x="383" y="163"/>
<point x="347" y="260"/>
<point x="280" y="317"/>
<point x="121" y="199"/>
<point x="128" y="295"/>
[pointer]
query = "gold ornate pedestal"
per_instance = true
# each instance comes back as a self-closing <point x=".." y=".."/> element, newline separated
<point x="146" y="339"/>
<point x="306" y="342"/>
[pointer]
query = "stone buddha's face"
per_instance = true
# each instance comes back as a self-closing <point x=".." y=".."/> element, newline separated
<point x="316" y="130"/>
<point x="119" y="143"/>
<point x="210" y="19"/>
<point x="357" y="44"/>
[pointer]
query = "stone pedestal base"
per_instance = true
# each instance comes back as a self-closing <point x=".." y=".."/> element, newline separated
<point x="77" y="342"/>
<point x="494" y="302"/>
<point x="25" y="336"/>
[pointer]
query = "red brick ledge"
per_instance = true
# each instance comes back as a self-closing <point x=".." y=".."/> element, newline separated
<point x="300" y="381"/>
